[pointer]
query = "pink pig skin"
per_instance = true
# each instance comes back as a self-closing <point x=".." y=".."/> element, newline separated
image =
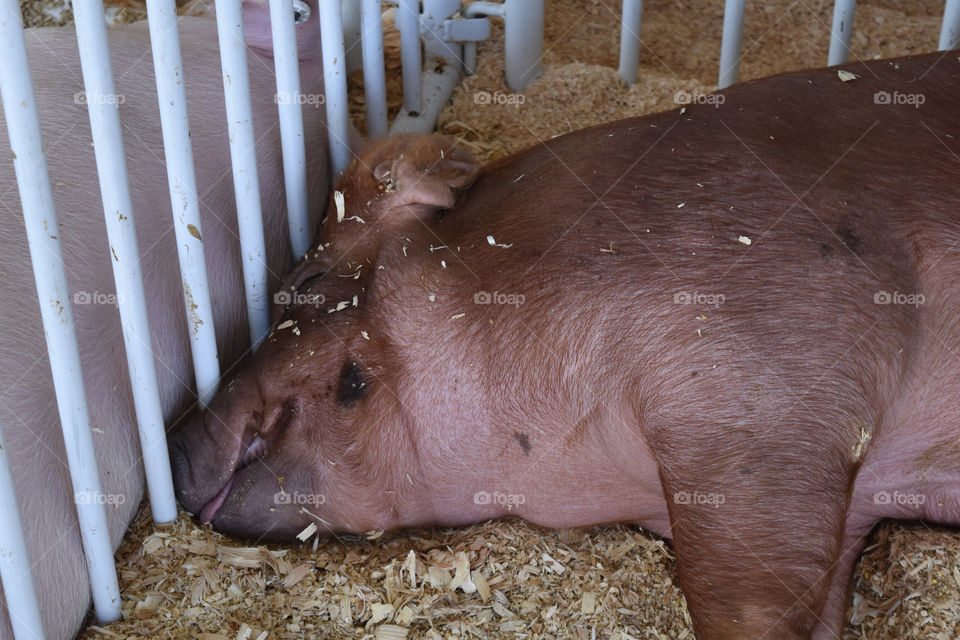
<point x="736" y="326"/>
<point x="27" y="403"/>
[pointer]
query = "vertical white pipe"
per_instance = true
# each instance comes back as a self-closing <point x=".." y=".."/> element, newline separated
<point x="352" y="31"/>
<point x="630" y="40"/>
<point x="33" y="182"/>
<point x="439" y="81"/>
<point x="102" y="101"/>
<point x="523" y="42"/>
<point x="950" y="30"/>
<point x="178" y="152"/>
<point x="243" y="155"/>
<point x="374" y="78"/>
<point x="470" y="58"/>
<point x="335" y="84"/>
<point x="841" y="31"/>
<point x="15" y="573"/>
<point x="730" y="47"/>
<point x="408" y="23"/>
<point x="287" y="67"/>
<point x="474" y="10"/>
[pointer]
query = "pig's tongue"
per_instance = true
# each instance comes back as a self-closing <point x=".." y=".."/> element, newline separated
<point x="254" y="451"/>
<point x="207" y="513"/>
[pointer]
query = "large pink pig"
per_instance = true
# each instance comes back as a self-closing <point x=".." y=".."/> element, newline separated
<point x="737" y="324"/>
<point x="27" y="404"/>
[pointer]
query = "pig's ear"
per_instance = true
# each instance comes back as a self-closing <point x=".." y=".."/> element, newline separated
<point x="429" y="171"/>
<point x="311" y="266"/>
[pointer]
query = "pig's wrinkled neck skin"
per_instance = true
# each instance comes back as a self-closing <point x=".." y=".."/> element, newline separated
<point x="549" y="443"/>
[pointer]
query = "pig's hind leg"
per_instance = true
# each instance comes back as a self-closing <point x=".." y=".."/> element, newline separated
<point x="758" y="525"/>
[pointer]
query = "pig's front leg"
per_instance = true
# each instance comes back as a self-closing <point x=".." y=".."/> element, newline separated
<point x="757" y="520"/>
<point x="833" y="616"/>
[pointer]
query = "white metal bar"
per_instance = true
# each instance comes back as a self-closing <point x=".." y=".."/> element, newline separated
<point x="950" y="30"/>
<point x="470" y="58"/>
<point x="335" y="84"/>
<point x="437" y="89"/>
<point x="374" y="78"/>
<point x="730" y="47"/>
<point x="243" y="155"/>
<point x="436" y="13"/>
<point x="407" y="19"/>
<point x="630" y="23"/>
<point x="483" y="8"/>
<point x="437" y="86"/>
<point x="178" y="152"/>
<point x="523" y="42"/>
<point x="841" y="31"/>
<point x="21" y="595"/>
<point x="352" y="31"/>
<point x="287" y="67"/>
<point x="33" y="182"/>
<point x="473" y="10"/>
<point x="102" y="102"/>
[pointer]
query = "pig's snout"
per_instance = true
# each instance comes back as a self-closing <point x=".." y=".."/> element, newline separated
<point x="229" y="469"/>
<point x="204" y="462"/>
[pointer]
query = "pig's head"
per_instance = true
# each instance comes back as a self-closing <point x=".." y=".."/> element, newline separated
<point x="312" y="428"/>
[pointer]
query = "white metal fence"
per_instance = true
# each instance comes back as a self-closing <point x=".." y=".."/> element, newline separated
<point x="444" y="29"/>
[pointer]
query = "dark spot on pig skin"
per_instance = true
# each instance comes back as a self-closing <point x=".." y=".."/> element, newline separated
<point x="825" y="249"/>
<point x="524" y="442"/>
<point x="849" y="239"/>
<point x="352" y="385"/>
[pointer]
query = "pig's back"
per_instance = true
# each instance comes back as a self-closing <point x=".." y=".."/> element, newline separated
<point x="725" y="248"/>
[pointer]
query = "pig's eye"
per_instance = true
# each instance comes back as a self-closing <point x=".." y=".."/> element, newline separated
<point x="304" y="287"/>
<point x="352" y="385"/>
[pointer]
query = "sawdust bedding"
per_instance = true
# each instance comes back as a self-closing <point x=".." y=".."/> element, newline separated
<point x="509" y="579"/>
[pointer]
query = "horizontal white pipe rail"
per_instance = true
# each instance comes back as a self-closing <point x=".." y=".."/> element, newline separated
<point x="33" y="182"/>
<point x="335" y="84"/>
<point x="243" y="156"/>
<point x="840" y="31"/>
<point x="121" y="233"/>
<point x="14" y="560"/>
<point x="287" y="68"/>
<point x="178" y="152"/>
